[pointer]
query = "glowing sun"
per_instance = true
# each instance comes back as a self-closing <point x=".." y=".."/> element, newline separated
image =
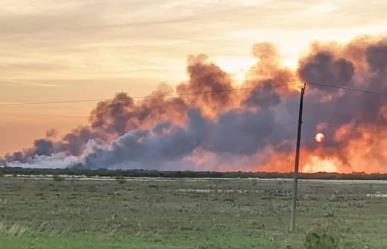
<point x="319" y="138"/>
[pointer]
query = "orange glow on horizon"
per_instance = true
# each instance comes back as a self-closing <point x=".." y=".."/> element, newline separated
<point x="317" y="164"/>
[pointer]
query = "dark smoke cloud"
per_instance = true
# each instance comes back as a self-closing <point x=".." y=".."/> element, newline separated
<point x="206" y="118"/>
<point x="149" y="146"/>
<point x="43" y="147"/>
<point x="113" y="116"/>
<point x="122" y="114"/>
<point x="237" y="132"/>
<point x="211" y="86"/>
<point x="323" y="68"/>
<point x="263" y="95"/>
<point x="74" y="142"/>
<point x="377" y="57"/>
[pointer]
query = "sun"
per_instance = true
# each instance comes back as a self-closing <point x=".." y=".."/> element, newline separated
<point x="319" y="137"/>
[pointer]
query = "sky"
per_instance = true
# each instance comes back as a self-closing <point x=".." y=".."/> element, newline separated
<point x="91" y="49"/>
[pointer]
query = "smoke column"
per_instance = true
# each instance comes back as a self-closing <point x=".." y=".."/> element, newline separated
<point x="209" y="123"/>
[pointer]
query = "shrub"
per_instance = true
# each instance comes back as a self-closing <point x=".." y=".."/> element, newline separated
<point x="58" y="178"/>
<point x="120" y="179"/>
<point x="320" y="240"/>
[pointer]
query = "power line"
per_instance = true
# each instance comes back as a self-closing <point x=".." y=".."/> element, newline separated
<point x="141" y="97"/>
<point x="350" y="89"/>
<point x="190" y="93"/>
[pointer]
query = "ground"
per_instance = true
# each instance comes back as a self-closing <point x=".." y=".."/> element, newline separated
<point x="158" y="213"/>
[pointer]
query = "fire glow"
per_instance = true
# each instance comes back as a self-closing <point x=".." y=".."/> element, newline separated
<point x="212" y="121"/>
<point x="317" y="164"/>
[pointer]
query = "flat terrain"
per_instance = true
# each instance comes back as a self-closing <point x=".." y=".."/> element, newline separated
<point x="146" y="213"/>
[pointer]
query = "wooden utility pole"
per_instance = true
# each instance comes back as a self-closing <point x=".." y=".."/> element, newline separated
<point x="297" y="163"/>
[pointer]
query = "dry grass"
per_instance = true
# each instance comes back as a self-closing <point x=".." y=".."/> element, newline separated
<point x="186" y="213"/>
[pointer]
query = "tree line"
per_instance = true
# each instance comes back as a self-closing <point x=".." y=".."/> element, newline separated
<point x="186" y="174"/>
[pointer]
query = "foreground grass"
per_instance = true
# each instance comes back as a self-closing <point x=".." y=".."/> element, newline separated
<point x="44" y="241"/>
<point x="185" y="213"/>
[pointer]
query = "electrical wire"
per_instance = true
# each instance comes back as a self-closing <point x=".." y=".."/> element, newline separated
<point x="140" y="97"/>
<point x="349" y="89"/>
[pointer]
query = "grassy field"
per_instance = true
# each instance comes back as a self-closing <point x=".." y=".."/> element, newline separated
<point x="188" y="213"/>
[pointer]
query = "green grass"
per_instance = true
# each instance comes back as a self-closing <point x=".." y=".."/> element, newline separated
<point x="186" y="213"/>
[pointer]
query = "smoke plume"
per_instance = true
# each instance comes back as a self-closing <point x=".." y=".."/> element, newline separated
<point x="210" y="123"/>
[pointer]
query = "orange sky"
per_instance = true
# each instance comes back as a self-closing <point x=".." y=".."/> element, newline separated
<point x="88" y="49"/>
